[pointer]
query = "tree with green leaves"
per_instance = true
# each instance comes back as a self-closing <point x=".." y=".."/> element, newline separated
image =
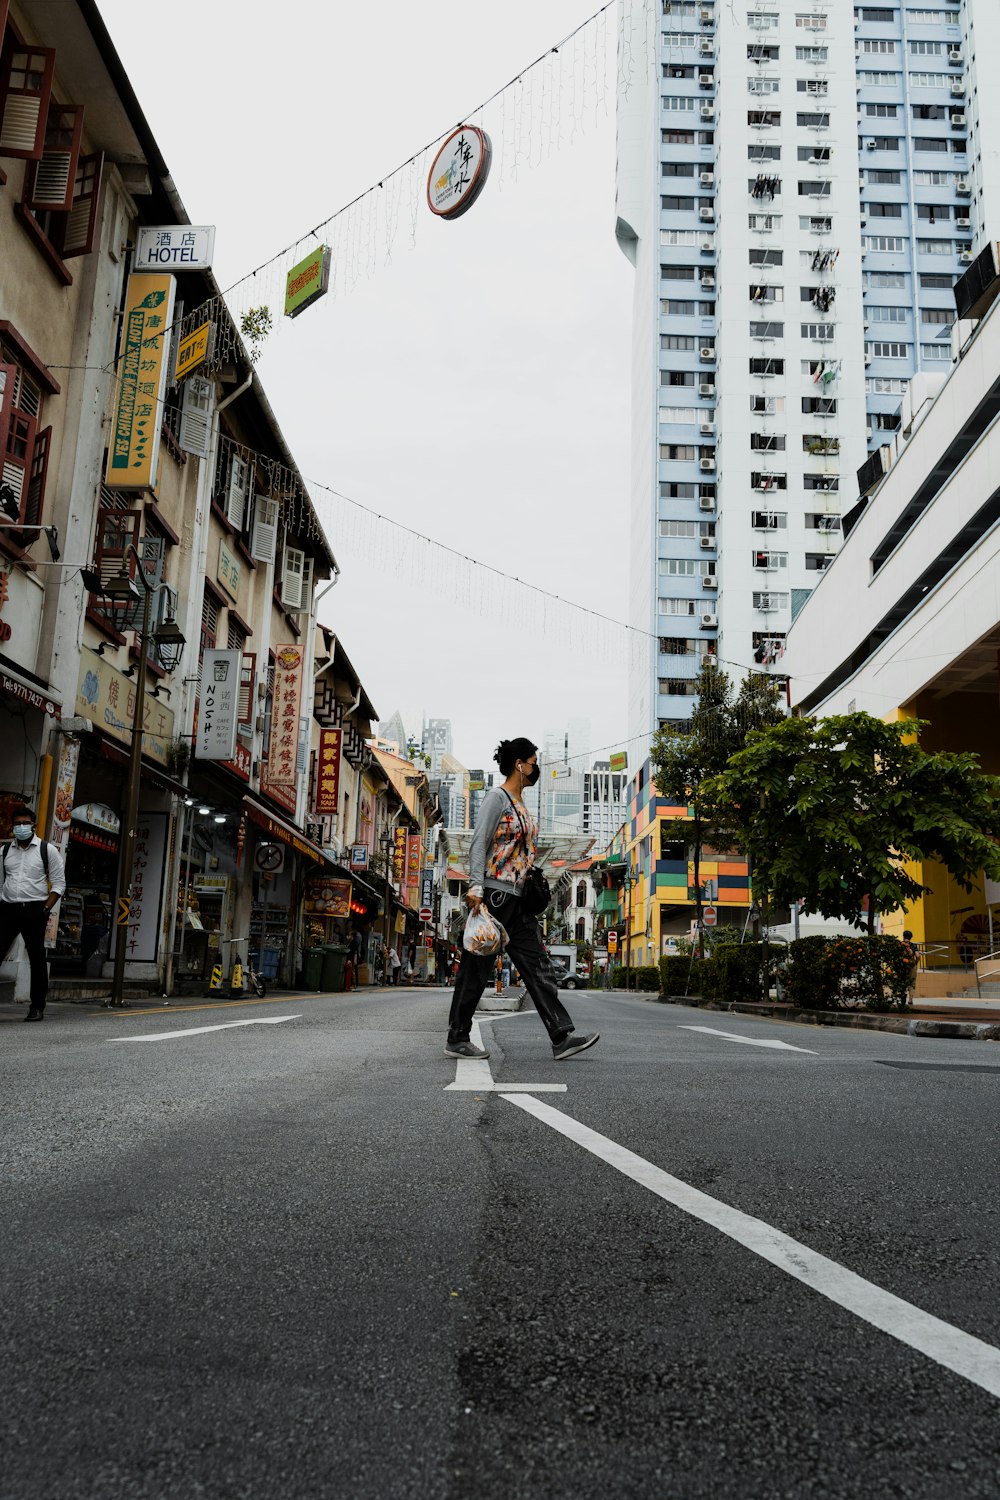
<point x="831" y="811"/>
<point x="684" y="762"/>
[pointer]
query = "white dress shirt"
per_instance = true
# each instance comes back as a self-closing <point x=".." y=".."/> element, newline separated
<point x="25" y="874"/>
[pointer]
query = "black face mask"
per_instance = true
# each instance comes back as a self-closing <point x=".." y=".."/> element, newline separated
<point x="533" y="777"/>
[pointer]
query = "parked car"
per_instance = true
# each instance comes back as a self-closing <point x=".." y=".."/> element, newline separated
<point x="565" y="980"/>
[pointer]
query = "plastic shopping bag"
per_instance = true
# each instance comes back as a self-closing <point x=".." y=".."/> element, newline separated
<point x="483" y="934"/>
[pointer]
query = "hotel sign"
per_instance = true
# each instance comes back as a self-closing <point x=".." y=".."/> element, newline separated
<point x="188" y="247"/>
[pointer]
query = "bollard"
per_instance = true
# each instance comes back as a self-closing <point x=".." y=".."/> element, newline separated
<point x="236" y="982"/>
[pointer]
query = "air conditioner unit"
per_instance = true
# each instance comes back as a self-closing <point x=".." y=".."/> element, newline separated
<point x="710" y="581"/>
<point x="707" y="352"/>
<point x="958" y="122"/>
<point x="707" y="178"/>
<point x="870" y="146"/>
<point x="868" y="358"/>
<point x="965" y="256"/>
<point x="706" y="46"/>
<point x="706" y="212"/>
<point x="707" y="543"/>
<point x="709" y="622"/>
<point x="259" y="724"/>
<point x="962" y="221"/>
<point x="707" y="111"/>
<point x="707" y="17"/>
<point x="707" y="465"/>
<point x="707" y="80"/>
<point x="706" y="388"/>
<point x="707" y="429"/>
<point x="261" y="692"/>
<point x="706" y="502"/>
<point x="708" y="247"/>
<point x="964" y="186"/>
<point x="864" y="251"/>
<point x="957" y="86"/>
<point x="955" y="54"/>
<point x="707" y="279"/>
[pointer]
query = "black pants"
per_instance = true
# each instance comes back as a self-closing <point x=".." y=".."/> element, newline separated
<point x="524" y="944"/>
<point x="27" y="919"/>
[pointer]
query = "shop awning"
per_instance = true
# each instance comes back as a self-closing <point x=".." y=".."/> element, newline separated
<point x="286" y="833"/>
<point x="155" y="775"/>
<point x="25" y="691"/>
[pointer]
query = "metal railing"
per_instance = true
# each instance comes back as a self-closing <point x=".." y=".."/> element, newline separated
<point x="986" y="976"/>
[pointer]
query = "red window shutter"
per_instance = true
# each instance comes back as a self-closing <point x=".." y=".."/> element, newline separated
<point x="248" y="668"/>
<point x="50" y="183"/>
<point x="16" y="464"/>
<point x="25" y="91"/>
<point x="116" y="530"/>
<point x="36" y="478"/>
<point x="3" y="17"/>
<point x="81" y="221"/>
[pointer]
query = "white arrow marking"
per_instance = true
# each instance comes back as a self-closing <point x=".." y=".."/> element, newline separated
<point x="168" y="1036"/>
<point x="748" y="1041"/>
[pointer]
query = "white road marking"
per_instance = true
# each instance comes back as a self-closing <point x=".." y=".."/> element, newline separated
<point x="748" y="1041"/>
<point x="959" y="1352"/>
<point x="168" y="1036"/>
<point x="474" y="1076"/>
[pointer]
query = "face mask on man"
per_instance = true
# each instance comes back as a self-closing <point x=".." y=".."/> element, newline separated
<point x="22" y="832"/>
<point x="530" y="777"/>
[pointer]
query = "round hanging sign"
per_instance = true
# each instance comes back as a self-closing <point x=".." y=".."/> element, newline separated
<point x="459" y="171"/>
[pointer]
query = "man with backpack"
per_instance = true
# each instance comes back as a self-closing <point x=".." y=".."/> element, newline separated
<point x="33" y="880"/>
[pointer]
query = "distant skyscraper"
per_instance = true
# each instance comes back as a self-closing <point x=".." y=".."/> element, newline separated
<point x="394" y="732"/>
<point x="602" y="803"/>
<point x="437" y="741"/>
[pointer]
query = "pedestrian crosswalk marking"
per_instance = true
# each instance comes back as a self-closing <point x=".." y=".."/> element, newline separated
<point x="473" y="1075"/>
<point x="169" y="1036"/>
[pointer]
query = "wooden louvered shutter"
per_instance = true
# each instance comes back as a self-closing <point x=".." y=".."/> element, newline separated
<point x="117" y="530"/>
<point x="16" y="459"/>
<point x="51" y="182"/>
<point x="36" y="478"/>
<point x="25" y="92"/>
<point x="10" y="505"/>
<point x="81" y="221"/>
<point x="248" y="669"/>
<point x="264" y="543"/>
<point x="237" y="490"/>
<point x="196" y="416"/>
<point x="292" y="571"/>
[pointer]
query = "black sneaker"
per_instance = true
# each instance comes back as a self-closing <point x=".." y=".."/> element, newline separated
<point x="35" y="1015"/>
<point x="572" y="1044"/>
<point x="465" y="1049"/>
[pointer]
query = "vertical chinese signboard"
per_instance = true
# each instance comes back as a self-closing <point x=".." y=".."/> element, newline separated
<point x="134" y="450"/>
<point x="282" y="755"/>
<point x="399" y="856"/>
<point x="219" y="709"/>
<point x="69" y="759"/>
<point x="142" y="933"/>
<point x="413" y="871"/>
<point x="328" y="771"/>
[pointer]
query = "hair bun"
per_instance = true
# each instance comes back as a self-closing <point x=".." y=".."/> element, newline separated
<point x="498" y="754"/>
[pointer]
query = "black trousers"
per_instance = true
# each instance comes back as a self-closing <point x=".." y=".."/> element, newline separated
<point x="27" y="919"/>
<point x="524" y="944"/>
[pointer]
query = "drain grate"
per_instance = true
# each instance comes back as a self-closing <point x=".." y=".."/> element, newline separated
<point x="938" y="1067"/>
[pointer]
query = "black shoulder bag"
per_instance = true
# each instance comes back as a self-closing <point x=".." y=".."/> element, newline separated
<point x="535" y="892"/>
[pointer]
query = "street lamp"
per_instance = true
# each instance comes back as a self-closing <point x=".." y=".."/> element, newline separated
<point x="169" y="643"/>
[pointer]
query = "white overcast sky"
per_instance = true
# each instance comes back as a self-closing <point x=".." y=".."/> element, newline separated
<point x="475" y="388"/>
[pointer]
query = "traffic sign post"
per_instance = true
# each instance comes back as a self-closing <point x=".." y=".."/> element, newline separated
<point x="709" y="916"/>
<point x="425" y="914"/>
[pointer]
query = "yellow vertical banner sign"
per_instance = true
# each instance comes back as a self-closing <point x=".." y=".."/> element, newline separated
<point x="134" y="451"/>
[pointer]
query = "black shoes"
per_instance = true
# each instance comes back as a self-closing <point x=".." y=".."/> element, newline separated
<point x="35" y="1015"/>
<point x="572" y="1044"/>
<point x="464" y="1049"/>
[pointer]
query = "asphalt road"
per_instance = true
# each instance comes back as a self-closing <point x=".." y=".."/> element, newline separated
<point x="287" y="1260"/>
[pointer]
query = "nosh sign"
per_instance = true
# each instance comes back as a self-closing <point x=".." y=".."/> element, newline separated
<point x="184" y="247"/>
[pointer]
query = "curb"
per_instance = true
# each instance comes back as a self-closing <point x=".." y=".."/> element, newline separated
<point x="966" y="1031"/>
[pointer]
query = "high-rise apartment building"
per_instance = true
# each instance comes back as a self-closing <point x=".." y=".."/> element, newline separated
<point x="602" y="804"/>
<point x="799" y="184"/>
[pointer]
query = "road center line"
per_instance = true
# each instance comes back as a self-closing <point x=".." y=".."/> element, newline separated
<point x="748" y="1041"/>
<point x="959" y="1352"/>
<point x="168" y="1036"/>
<point x="473" y="1075"/>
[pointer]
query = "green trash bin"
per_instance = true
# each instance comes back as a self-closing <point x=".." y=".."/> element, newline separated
<point x="334" y="961"/>
<point x="312" y="968"/>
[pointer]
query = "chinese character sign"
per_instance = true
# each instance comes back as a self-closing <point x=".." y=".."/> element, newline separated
<point x="189" y="247"/>
<point x="141" y="936"/>
<point x="219" y="709"/>
<point x="134" y="449"/>
<point x="413" y="869"/>
<point x="282" y="756"/>
<point x="399" y="855"/>
<point x="458" y="172"/>
<point x="328" y="771"/>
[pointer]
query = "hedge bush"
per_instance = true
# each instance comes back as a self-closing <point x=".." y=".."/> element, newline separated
<point x="679" y="976"/>
<point x="736" y="975"/>
<point x="849" y="973"/>
<point x="640" y="977"/>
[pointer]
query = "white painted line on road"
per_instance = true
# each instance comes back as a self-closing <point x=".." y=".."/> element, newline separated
<point x="168" y="1036"/>
<point x="748" y="1041"/>
<point x="959" y="1352"/>
<point x="474" y="1076"/>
